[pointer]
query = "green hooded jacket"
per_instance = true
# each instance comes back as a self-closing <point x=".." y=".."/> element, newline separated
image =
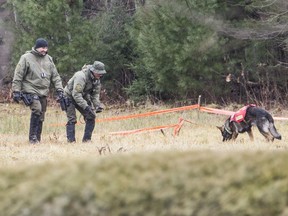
<point x="83" y="88"/>
<point x="35" y="73"/>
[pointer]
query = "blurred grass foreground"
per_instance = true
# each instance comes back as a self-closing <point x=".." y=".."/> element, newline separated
<point x="202" y="183"/>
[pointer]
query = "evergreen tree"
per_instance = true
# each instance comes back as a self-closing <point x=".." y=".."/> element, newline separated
<point x="227" y="51"/>
<point x="191" y="47"/>
<point x="175" y="51"/>
<point x="78" y="34"/>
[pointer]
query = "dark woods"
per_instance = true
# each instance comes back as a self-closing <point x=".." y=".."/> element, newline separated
<point x="165" y="50"/>
<point x="266" y="87"/>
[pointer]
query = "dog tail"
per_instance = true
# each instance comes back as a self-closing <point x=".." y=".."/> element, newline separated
<point x="273" y="131"/>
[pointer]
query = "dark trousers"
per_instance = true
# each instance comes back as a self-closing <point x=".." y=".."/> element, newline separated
<point x="38" y="110"/>
<point x="72" y="120"/>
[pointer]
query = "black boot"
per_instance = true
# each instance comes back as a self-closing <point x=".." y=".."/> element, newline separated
<point x="34" y="124"/>
<point x="39" y="131"/>
<point x="70" y="132"/>
<point x="89" y="127"/>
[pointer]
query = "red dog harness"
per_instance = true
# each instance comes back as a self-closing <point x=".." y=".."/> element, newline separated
<point x="240" y="114"/>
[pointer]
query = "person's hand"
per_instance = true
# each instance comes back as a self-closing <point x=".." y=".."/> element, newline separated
<point x="60" y="94"/>
<point x="16" y="96"/>
<point x="89" y="112"/>
<point x="99" y="109"/>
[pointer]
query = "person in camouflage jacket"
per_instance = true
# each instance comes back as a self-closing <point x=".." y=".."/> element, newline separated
<point x="33" y="75"/>
<point x="83" y="93"/>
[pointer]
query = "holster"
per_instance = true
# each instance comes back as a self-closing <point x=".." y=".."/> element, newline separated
<point x="28" y="98"/>
<point x="64" y="103"/>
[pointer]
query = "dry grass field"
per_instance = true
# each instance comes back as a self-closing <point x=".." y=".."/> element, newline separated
<point x="151" y="173"/>
<point x="198" y="134"/>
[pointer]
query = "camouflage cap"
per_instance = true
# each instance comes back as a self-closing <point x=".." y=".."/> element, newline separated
<point x="98" y="67"/>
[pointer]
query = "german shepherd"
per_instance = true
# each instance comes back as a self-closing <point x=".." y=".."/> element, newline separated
<point x="241" y="122"/>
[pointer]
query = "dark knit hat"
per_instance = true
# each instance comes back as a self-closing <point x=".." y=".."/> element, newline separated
<point x="40" y="42"/>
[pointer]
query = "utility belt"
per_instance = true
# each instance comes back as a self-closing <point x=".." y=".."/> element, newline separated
<point x="28" y="98"/>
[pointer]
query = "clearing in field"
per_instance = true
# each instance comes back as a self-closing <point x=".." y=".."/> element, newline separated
<point x="199" y="132"/>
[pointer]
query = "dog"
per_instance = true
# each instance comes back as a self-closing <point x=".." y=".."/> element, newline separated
<point x="243" y="120"/>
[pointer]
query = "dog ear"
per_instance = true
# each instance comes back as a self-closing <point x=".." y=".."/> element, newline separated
<point x="220" y="128"/>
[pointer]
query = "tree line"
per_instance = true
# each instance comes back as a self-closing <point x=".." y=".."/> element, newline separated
<point x="165" y="50"/>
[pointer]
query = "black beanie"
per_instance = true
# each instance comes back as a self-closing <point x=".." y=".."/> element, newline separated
<point x="40" y="42"/>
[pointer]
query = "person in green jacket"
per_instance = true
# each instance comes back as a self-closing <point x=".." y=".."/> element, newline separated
<point x="33" y="75"/>
<point x="83" y="93"/>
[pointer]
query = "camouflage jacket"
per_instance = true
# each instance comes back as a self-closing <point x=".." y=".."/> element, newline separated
<point x="34" y="74"/>
<point x="84" y="89"/>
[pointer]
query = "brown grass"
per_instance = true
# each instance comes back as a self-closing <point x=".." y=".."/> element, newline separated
<point x="201" y="134"/>
<point x="141" y="174"/>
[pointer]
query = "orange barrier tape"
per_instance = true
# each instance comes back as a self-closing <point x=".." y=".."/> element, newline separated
<point x="176" y="127"/>
<point x="142" y="130"/>
<point x="203" y="109"/>
<point x="148" y="113"/>
<point x="216" y="111"/>
<point x="280" y="118"/>
<point x="140" y="114"/>
<point x="229" y="113"/>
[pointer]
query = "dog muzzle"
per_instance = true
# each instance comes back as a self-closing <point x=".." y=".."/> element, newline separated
<point x="227" y="134"/>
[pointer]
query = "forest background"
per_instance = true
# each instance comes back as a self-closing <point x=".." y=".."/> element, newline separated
<point x="232" y="51"/>
<point x="161" y="50"/>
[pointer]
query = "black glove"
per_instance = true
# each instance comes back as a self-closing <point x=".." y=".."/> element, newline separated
<point x="60" y="94"/>
<point x="99" y="109"/>
<point x="89" y="112"/>
<point x="16" y="96"/>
